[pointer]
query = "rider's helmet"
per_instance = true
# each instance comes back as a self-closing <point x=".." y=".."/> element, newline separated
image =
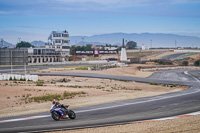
<point x="54" y="101"/>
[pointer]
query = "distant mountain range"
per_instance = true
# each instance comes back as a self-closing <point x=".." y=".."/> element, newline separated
<point x="38" y="43"/>
<point x="6" y="44"/>
<point x="148" y="39"/>
<point x="35" y="43"/>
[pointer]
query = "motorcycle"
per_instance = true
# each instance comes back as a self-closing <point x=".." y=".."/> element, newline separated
<point x="58" y="112"/>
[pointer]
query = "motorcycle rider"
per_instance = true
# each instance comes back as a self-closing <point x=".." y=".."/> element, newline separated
<point x="54" y="102"/>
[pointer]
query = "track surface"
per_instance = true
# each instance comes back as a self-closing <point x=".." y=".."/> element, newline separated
<point x="173" y="56"/>
<point x="166" y="105"/>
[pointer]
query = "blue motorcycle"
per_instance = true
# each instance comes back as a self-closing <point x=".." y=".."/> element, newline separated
<point x="59" y="112"/>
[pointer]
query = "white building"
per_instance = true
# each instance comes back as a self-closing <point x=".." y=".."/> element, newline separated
<point x="144" y="47"/>
<point x="60" y="41"/>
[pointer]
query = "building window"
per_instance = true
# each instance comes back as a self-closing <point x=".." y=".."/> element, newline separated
<point x="65" y="41"/>
<point x="65" y="47"/>
<point x="57" y="35"/>
<point x="65" y="35"/>
<point x="58" y="41"/>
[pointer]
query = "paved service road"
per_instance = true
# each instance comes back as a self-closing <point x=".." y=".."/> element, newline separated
<point x="31" y="68"/>
<point x="166" y="105"/>
<point x="176" y="56"/>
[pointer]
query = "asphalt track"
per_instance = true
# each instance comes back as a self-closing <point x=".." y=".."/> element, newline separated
<point x="32" y="68"/>
<point x="173" y="56"/>
<point x="122" y="112"/>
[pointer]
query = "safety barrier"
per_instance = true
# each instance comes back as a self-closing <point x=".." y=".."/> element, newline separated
<point x="18" y="77"/>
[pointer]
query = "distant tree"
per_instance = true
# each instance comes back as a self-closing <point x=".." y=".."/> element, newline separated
<point x="88" y="47"/>
<point x="197" y="63"/>
<point x="131" y="45"/>
<point x="24" y="44"/>
<point x="185" y="63"/>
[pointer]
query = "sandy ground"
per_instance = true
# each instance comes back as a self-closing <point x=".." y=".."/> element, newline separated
<point x="131" y="70"/>
<point x="181" y="125"/>
<point x="14" y="97"/>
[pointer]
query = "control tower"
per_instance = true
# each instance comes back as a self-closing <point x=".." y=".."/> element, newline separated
<point x="123" y="57"/>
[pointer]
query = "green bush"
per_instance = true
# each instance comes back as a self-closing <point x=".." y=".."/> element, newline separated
<point x="39" y="83"/>
<point x="164" y="62"/>
<point x="82" y="68"/>
<point x="197" y="63"/>
<point x="22" y="79"/>
<point x="174" y="85"/>
<point x="50" y="97"/>
<point x="10" y="78"/>
<point x="152" y="83"/>
<point x="185" y="63"/>
<point x="71" y="58"/>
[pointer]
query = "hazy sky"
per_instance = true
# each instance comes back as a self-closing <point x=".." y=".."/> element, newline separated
<point x="35" y="19"/>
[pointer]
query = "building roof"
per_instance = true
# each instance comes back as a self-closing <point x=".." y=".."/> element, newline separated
<point x="53" y="32"/>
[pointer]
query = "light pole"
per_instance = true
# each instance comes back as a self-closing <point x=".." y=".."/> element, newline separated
<point x="151" y="43"/>
<point x="83" y="40"/>
<point x="175" y="44"/>
<point x="11" y="61"/>
<point x="24" y="64"/>
<point x="19" y="39"/>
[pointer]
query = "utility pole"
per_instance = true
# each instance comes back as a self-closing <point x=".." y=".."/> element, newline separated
<point x="83" y="40"/>
<point x="175" y="44"/>
<point x="19" y="39"/>
<point x="11" y="61"/>
<point x="24" y="63"/>
<point x="151" y="42"/>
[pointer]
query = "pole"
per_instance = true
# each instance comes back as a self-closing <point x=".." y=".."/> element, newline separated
<point x="19" y="39"/>
<point x="175" y="44"/>
<point x="11" y="62"/>
<point x="1" y="42"/>
<point x="24" y="64"/>
<point x="83" y="40"/>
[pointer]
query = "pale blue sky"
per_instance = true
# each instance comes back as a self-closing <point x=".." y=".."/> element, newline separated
<point x="35" y="19"/>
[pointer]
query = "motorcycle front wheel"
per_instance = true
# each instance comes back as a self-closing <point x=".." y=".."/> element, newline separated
<point x="71" y="114"/>
<point x="55" y="115"/>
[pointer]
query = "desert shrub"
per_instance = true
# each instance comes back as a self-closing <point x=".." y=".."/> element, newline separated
<point x="197" y="63"/>
<point x="22" y="79"/>
<point x="164" y="62"/>
<point x="174" y="85"/>
<point x="185" y="63"/>
<point x="82" y="68"/>
<point x="152" y="83"/>
<point x="71" y="58"/>
<point x="39" y="83"/>
<point x="48" y="97"/>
